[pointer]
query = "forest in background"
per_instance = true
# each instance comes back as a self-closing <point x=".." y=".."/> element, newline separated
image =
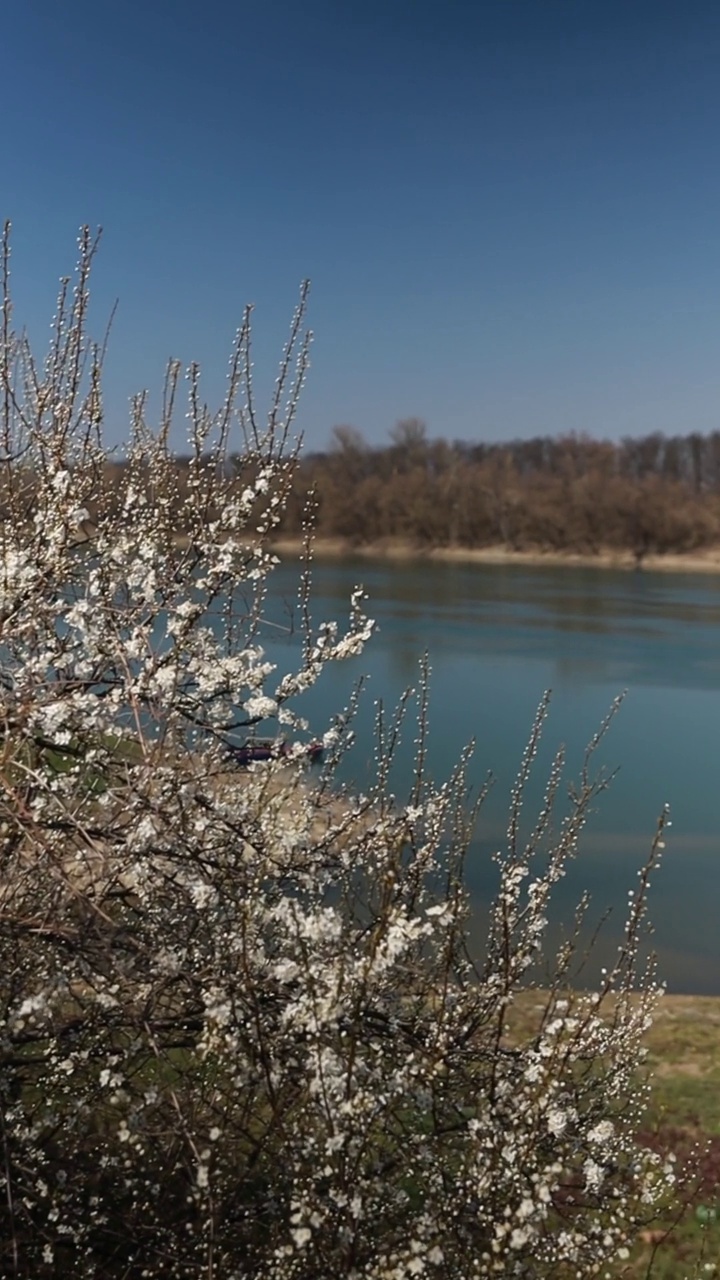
<point x="649" y="495"/>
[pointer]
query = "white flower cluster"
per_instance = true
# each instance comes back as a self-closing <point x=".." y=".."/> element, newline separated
<point x="241" y="1034"/>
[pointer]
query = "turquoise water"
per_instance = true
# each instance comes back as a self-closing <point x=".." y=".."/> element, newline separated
<point x="497" y="637"/>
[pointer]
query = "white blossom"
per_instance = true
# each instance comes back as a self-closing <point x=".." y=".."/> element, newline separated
<point x="243" y="1012"/>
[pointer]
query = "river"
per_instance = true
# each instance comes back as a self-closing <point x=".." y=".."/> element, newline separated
<point x="497" y="637"/>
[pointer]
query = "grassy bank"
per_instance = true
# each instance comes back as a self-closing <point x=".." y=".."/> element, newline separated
<point x="684" y="1059"/>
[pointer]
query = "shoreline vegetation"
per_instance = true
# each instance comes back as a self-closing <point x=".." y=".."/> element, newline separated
<point x="649" y="503"/>
<point x="705" y="560"/>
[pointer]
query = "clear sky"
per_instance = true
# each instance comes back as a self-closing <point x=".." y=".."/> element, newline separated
<point x="509" y="209"/>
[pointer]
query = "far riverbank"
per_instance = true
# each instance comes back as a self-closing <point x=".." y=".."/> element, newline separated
<point x="705" y="560"/>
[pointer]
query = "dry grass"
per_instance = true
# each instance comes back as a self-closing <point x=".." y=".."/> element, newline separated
<point x="706" y="560"/>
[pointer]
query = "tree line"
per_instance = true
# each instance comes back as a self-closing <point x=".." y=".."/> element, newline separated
<point x="651" y="494"/>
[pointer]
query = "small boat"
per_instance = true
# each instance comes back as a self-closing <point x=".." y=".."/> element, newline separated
<point x="257" y="749"/>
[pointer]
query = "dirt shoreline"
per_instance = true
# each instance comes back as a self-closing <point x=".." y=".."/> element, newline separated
<point x="705" y="561"/>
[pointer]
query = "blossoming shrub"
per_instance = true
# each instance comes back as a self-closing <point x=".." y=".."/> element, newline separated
<point x="241" y="1032"/>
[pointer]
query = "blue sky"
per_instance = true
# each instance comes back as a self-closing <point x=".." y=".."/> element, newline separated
<point x="509" y="210"/>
